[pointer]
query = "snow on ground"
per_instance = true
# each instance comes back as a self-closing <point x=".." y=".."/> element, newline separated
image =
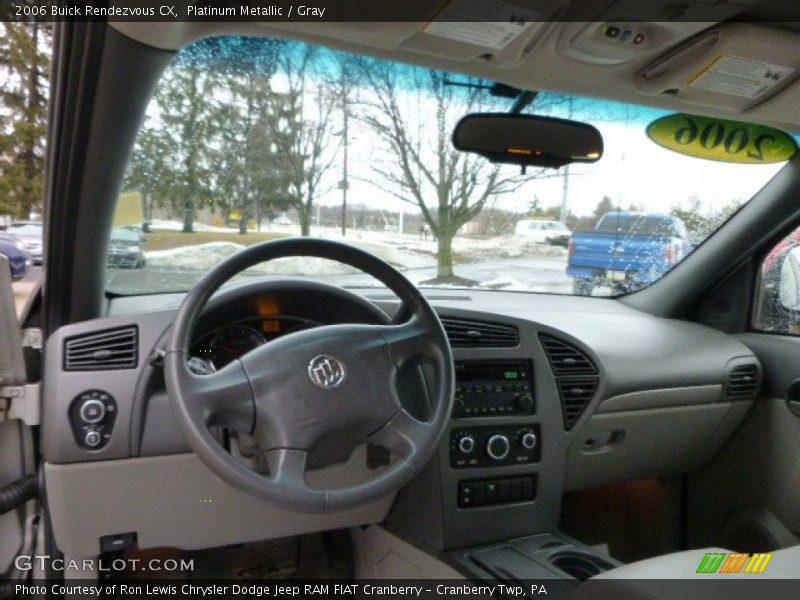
<point x="159" y="224"/>
<point x="199" y="256"/>
<point x="541" y="264"/>
<point x="206" y="256"/>
<point x="504" y="283"/>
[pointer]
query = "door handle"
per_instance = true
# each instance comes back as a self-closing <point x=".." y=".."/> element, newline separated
<point x="792" y="396"/>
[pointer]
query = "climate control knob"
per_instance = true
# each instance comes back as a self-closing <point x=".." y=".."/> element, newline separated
<point x="466" y="444"/>
<point x="528" y="440"/>
<point x="497" y="447"/>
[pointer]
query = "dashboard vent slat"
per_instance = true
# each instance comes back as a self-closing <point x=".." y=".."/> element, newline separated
<point x="743" y="381"/>
<point x="575" y="396"/>
<point x="565" y="359"/>
<point x="576" y="377"/>
<point x="463" y="333"/>
<point x="106" y="350"/>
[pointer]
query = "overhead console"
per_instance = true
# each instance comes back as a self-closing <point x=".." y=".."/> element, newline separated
<point x="629" y="30"/>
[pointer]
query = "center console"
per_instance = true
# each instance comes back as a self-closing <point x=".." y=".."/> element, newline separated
<point x="498" y="473"/>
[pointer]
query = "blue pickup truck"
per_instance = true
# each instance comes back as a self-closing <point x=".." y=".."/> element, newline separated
<point x="626" y="251"/>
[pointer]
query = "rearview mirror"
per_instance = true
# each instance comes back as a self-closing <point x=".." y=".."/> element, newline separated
<point x="528" y="140"/>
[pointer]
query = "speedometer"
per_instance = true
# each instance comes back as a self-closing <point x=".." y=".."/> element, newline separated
<point x="233" y="342"/>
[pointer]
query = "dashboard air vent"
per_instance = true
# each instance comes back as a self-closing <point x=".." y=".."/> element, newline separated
<point x="743" y="381"/>
<point x="576" y="377"/>
<point x="565" y="359"/>
<point x="102" y="351"/>
<point x="479" y="334"/>
<point x="576" y="393"/>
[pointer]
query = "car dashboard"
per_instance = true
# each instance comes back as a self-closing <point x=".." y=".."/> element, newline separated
<point x="553" y="394"/>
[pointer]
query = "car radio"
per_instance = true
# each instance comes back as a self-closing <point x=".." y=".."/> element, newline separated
<point x="488" y="389"/>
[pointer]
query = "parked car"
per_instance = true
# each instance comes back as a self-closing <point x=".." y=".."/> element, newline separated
<point x="544" y="232"/>
<point x="125" y="248"/>
<point x="30" y="233"/>
<point x="18" y="257"/>
<point x="628" y="250"/>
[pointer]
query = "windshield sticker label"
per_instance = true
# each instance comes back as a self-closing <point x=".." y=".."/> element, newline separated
<point x="487" y="23"/>
<point x="740" y="77"/>
<point x="722" y="140"/>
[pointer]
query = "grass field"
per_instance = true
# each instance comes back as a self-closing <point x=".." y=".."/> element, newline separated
<point x="166" y="240"/>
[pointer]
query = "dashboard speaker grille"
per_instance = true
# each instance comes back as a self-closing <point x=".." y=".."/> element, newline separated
<point x="743" y="381"/>
<point x="576" y="377"/>
<point x="463" y="333"/>
<point x="102" y="351"/>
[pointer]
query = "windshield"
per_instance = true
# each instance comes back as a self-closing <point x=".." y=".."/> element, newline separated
<point x="247" y="140"/>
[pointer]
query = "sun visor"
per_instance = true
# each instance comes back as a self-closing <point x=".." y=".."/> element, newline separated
<point x="734" y="67"/>
<point x="500" y="32"/>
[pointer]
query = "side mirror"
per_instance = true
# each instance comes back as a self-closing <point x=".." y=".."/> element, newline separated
<point x="789" y="285"/>
<point x="528" y="140"/>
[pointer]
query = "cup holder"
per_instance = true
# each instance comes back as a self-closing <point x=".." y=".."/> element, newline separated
<point x="580" y="565"/>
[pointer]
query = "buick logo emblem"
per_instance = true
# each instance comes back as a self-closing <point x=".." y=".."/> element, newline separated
<point x="325" y="371"/>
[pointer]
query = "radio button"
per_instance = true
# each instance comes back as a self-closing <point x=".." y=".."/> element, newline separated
<point x="525" y="403"/>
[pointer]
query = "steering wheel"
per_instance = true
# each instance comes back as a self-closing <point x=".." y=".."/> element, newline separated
<point x="334" y="380"/>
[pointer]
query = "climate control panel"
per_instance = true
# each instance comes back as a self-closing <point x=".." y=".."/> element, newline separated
<point x="492" y="445"/>
<point x="92" y="415"/>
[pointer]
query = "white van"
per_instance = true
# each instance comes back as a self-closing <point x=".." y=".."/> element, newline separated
<point x="544" y="232"/>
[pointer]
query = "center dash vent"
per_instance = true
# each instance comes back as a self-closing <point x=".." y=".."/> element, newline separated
<point x="565" y="359"/>
<point x="463" y="333"/>
<point x="576" y="377"/>
<point x="743" y="381"/>
<point x="102" y="351"/>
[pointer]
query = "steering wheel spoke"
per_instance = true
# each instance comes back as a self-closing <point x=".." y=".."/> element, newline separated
<point x="409" y="343"/>
<point x="223" y="398"/>
<point x="402" y="435"/>
<point x="287" y="467"/>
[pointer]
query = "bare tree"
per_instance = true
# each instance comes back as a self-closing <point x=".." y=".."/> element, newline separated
<point x="305" y="147"/>
<point x="449" y="187"/>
